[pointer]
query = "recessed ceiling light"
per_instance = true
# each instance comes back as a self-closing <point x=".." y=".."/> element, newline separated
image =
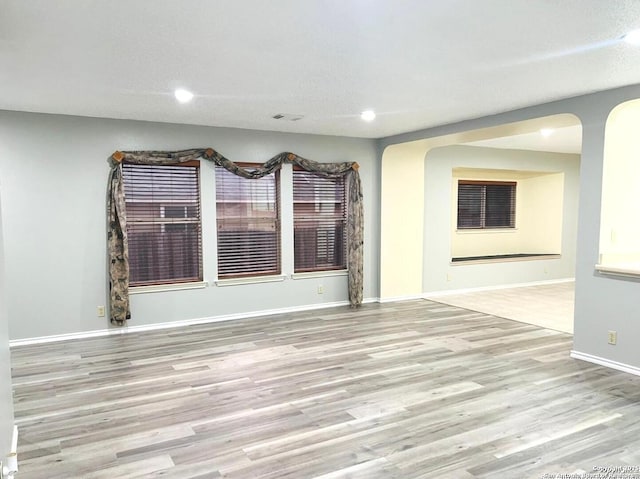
<point x="633" y="37"/>
<point x="368" y="115"/>
<point x="183" y="96"/>
<point x="546" y="132"/>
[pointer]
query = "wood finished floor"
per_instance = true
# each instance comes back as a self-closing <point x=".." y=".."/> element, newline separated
<point x="401" y="390"/>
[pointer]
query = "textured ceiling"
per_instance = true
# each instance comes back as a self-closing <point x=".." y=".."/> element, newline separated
<point x="417" y="63"/>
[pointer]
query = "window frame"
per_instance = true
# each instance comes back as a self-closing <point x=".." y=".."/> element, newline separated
<point x="276" y="221"/>
<point x="483" y="206"/>
<point x="163" y="221"/>
<point x="340" y="204"/>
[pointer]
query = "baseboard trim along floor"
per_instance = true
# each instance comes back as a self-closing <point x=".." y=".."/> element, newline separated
<point x="176" y="324"/>
<point x="228" y="317"/>
<point x="605" y="362"/>
<point x="450" y="292"/>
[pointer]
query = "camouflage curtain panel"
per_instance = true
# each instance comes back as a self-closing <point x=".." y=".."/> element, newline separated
<point x="117" y="243"/>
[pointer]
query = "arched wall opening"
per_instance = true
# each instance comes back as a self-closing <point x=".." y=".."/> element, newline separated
<point x="619" y="226"/>
<point x="417" y="217"/>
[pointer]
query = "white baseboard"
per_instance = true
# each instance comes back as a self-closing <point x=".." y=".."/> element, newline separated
<point x="10" y="465"/>
<point x="605" y="362"/>
<point x="449" y="292"/>
<point x="393" y="299"/>
<point x="176" y="324"/>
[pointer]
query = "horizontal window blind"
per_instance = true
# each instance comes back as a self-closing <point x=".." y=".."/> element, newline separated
<point x="163" y="223"/>
<point x="247" y="215"/>
<point x="500" y="202"/>
<point x="319" y="222"/>
<point x="486" y="204"/>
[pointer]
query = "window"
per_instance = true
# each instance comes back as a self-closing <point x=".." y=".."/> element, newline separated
<point x="248" y="224"/>
<point x="163" y="223"/>
<point x="319" y="222"/>
<point x="486" y="204"/>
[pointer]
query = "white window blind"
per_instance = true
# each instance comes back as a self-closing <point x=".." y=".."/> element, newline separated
<point x="248" y="224"/>
<point x="319" y="222"/>
<point x="163" y="223"/>
<point x="486" y="204"/>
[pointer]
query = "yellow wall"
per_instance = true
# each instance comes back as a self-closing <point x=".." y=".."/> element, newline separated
<point x="402" y="201"/>
<point x="619" y="222"/>
<point x="541" y="207"/>
<point x="402" y="215"/>
<point x="538" y="216"/>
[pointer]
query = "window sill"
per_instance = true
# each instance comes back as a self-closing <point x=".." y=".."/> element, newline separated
<point x="630" y="270"/>
<point x="251" y="280"/>
<point x="320" y="274"/>
<point x="160" y="288"/>
<point x="505" y="259"/>
<point x="472" y="231"/>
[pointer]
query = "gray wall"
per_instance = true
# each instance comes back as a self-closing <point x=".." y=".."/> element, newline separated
<point x="6" y="398"/>
<point x="55" y="175"/>
<point x="439" y="163"/>
<point x="602" y="303"/>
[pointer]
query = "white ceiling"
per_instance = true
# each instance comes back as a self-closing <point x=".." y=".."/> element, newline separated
<point x="417" y="63"/>
<point x="559" y="140"/>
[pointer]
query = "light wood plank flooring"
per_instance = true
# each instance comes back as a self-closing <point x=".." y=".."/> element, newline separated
<point x="414" y="389"/>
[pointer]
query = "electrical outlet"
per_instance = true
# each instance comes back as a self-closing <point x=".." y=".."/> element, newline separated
<point x="320" y="289"/>
<point x="612" y="337"/>
<point x="101" y="311"/>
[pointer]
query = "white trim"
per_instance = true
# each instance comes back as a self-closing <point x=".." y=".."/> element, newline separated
<point x="449" y="292"/>
<point x="176" y="324"/>
<point x="605" y="362"/>
<point x="66" y="337"/>
<point x="251" y="280"/>
<point x="160" y="288"/>
<point x="11" y="467"/>
<point x="543" y="257"/>
<point x="392" y="299"/>
<point x="628" y="271"/>
<point x="320" y="274"/>
<point x="475" y="231"/>
<point x="370" y="300"/>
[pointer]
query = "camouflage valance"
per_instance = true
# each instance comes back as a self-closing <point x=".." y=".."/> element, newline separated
<point x="117" y="228"/>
